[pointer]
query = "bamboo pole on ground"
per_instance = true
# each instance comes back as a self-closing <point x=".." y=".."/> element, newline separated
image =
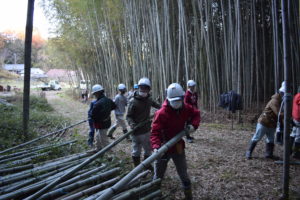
<point x="86" y="162"/>
<point x="41" y="137"/>
<point x="144" y="165"/>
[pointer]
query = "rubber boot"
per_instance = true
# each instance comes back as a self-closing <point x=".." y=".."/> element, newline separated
<point x="250" y="150"/>
<point x="269" y="150"/>
<point x="188" y="194"/>
<point x="136" y="160"/>
<point x="296" y="150"/>
<point x="150" y="166"/>
<point x="110" y="133"/>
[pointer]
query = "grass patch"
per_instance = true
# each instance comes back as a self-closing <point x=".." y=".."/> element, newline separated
<point x="11" y="128"/>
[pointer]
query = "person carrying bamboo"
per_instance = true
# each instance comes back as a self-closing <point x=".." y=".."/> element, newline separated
<point x="191" y="98"/>
<point x="100" y="115"/>
<point x="91" y="124"/>
<point x="266" y="124"/>
<point x="139" y="111"/>
<point x="172" y="118"/>
<point x="121" y="103"/>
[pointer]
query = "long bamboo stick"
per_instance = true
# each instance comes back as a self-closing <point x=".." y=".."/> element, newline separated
<point x="86" y="162"/>
<point x="118" y="186"/>
<point x="41" y="137"/>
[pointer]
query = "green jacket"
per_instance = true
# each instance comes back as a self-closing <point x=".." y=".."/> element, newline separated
<point x="269" y="116"/>
<point x="139" y="111"/>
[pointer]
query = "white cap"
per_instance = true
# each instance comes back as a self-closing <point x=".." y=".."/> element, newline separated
<point x="144" y="81"/>
<point x="283" y="87"/>
<point x="97" y="88"/>
<point x="175" y="92"/>
<point x="191" y="83"/>
<point x="121" y="86"/>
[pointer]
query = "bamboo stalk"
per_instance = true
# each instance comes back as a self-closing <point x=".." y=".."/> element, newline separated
<point x="41" y="137"/>
<point x="152" y="195"/>
<point x="118" y="186"/>
<point x="86" y="162"/>
<point x="92" y="190"/>
<point x="136" y="191"/>
<point x="95" y="179"/>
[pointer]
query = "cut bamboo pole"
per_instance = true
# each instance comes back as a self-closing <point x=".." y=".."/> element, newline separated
<point x="144" y="165"/>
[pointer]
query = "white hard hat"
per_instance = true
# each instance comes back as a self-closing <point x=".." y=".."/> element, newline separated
<point x="121" y="86"/>
<point x="144" y="81"/>
<point x="283" y="87"/>
<point x="191" y="83"/>
<point x="175" y="92"/>
<point x="97" y="88"/>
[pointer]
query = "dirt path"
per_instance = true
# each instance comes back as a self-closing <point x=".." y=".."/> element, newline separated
<point x="69" y="108"/>
<point x="216" y="162"/>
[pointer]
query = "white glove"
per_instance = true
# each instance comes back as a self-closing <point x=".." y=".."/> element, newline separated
<point x="155" y="150"/>
<point x="190" y="127"/>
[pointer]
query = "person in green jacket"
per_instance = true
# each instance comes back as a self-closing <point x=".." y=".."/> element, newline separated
<point x="139" y="111"/>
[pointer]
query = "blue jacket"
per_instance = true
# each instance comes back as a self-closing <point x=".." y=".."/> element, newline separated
<point x="90" y="111"/>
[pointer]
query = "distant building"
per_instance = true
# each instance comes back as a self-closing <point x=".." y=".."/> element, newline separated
<point x="19" y="69"/>
<point x="35" y="73"/>
<point x="16" y="68"/>
<point x="61" y="75"/>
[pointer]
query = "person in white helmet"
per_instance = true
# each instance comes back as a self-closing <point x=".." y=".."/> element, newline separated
<point x="139" y="111"/>
<point x="168" y="121"/>
<point x="100" y="114"/>
<point x="266" y="124"/>
<point x="121" y="103"/>
<point x="191" y="98"/>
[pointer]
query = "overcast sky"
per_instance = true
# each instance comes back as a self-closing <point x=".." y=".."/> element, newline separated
<point x="13" y="16"/>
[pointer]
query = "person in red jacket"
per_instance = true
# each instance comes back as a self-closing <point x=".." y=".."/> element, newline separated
<point x="191" y="98"/>
<point x="296" y="129"/>
<point x="172" y="118"/>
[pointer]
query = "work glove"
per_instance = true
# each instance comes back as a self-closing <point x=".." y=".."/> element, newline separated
<point x="190" y="127"/>
<point x="155" y="150"/>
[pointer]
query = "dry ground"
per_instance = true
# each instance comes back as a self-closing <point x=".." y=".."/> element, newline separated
<point x="216" y="162"/>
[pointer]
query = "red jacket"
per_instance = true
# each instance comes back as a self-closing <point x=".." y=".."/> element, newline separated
<point x="191" y="98"/>
<point x="168" y="122"/>
<point x="296" y="107"/>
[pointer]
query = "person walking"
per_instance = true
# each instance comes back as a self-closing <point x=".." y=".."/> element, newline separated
<point x="266" y="124"/>
<point x="101" y="115"/>
<point x="139" y="111"/>
<point x="172" y="118"/>
<point x="121" y="103"/>
<point x="191" y="98"/>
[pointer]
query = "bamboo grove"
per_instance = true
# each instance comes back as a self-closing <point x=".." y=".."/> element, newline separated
<point x="222" y="45"/>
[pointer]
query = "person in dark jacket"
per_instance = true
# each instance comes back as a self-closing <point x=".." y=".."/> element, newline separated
<point x="267" y="124"/>
<point x="191" y="98"/>
<point x="139" y="111"/>
<point x="101" y="115"/>
<point x="168" y="121"/>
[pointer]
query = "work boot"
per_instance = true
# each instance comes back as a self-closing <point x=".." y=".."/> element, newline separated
<point x="110" y="133"/>
<point x="188" y="194"/>
<point x="250" y="150"/>
<point x="136" y="160"/>
<point x="269" y="150"/>
<point x="296" y="150"/>
<point x="189" y="138"/>
<point x="150" y="166"/>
